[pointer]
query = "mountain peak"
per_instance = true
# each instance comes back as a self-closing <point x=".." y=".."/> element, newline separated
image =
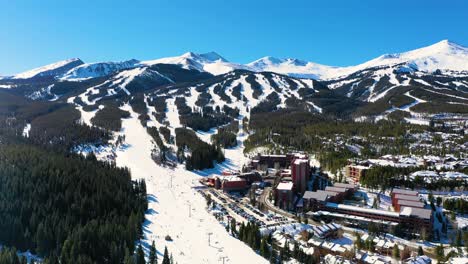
<point x="213" y="56"/>
<point x="52" y="69"/>
<point x="209" y="56"/>
<point x="448" y="45"/>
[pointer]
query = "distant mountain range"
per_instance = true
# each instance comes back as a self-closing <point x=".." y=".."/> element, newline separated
<point x="444" y="55"/>
<point x="428" y="80"/>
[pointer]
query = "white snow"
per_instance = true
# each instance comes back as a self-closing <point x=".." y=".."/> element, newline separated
<point x="44" y="69"/>
<point x="170" y="192"/>
<point x="318" y="109"/>
<point x="26" y="130"/>
<point x="98" y="69"/>
<point x="207" y="62"/>
<point x="443" y="55"/>
<point x="85" y="116"/>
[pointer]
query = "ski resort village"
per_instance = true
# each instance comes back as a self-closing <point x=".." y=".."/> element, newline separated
<point x="195" y="159"/>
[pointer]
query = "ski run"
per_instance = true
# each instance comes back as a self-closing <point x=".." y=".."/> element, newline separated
<point x="175" y="208"/>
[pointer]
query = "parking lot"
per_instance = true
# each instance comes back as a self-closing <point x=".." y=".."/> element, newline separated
<point x="238" y="207"/>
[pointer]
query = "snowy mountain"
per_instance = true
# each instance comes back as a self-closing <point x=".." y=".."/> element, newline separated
<point x="293" y="67"/>
<point x="53" y="69"/>
<point x="436" y="76"/>
<point x="99" y="69"/>
<point x="444" y="55"/>
<point x="206" y="62"/>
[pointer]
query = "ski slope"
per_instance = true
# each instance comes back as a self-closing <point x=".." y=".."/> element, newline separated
<point x="175" y="208"/>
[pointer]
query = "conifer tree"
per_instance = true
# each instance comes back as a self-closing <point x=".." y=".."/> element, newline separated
<point x="166" y="259"/>
<point x="140" y="256"/>
<point x="128" y="259"/>
<point x="153" y="257"/>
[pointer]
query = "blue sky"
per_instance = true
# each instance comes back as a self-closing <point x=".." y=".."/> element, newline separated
<point x="339" y="33"/>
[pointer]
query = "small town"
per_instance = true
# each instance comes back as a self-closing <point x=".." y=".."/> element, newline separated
<point x="300" y="208"/>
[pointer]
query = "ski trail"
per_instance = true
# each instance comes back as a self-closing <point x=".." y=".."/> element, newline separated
<point x="175" y="208"/>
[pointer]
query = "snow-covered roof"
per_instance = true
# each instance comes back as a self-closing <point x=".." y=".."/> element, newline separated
<point x="425" y="173"/>
<point x="285" y="186"/>
<point x="406" y="192"/>
<point x="300" y="161"/>
<point x="364" y="210"/>
<point x="335" y="189"/>
<point x="231" y="178"/>
<point x="344" y="185"/>
<point x="320" y="196"/>
<point x="416" y="212"/>
<point x="407" y="197"/>
<point x="411" y="203"/>
<point x="419" y="260"/>
<point x="454" y="174"/>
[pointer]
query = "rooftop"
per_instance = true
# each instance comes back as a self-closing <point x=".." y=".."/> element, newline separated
<point x="285" y="186"/>
<point x="406" y="192"/>
<point x="407" y="197"/>
<point x="320" y="196"/>
<point x="411" y="203"/>
<point x="344" y="185"/>
<point x="416" y="212"/>
<point x="231" y="178"/>
<point x="300" y="161"/>
<point x="331" y="193"/>
<point x="364" y="210"/>
<point x="335" y="189"/>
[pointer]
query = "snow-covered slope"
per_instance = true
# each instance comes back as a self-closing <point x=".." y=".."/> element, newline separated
<point x="53" y="69"/>
<point x="444" y="55"/>
<point x="99" y="69"/>
<point x="294" y="67"/>
<point x="208" y="62"/>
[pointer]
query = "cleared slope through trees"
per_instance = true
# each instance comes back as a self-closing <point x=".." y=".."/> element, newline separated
<point x="172" y="193"/>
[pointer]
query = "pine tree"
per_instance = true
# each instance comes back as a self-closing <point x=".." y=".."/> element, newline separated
<point x="128" y="258"/>
<point x="233" y="226"/>
<point x="140" y="257"/>
<point x="263" y="248"/>
<point x="153" y="257"/>
<point x="166" y="259"/>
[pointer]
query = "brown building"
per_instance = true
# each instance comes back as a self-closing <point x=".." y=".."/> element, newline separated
<point x="300" y="171"/>
<point x="356" y="171"/>
<point x="411" y="218"/>
<point x="404" y="203"/>
<point x="401" y="194"/>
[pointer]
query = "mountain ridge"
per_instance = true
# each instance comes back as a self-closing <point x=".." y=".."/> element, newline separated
<point x="443" y="55"/>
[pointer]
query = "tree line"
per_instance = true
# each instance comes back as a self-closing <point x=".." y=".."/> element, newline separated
<point x="76" y="209"/>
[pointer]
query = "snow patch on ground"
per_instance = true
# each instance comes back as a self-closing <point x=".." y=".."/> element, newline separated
<point x="26" y="130"/>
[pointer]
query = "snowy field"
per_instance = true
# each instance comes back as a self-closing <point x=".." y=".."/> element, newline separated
<point x="175" y="208"/>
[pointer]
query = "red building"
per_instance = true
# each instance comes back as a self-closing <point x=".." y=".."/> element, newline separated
<point x="300" y="171"/>
<point x="401" y="194"/>
<point x="356" y="171"/>
<point x="233" y="183"/>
